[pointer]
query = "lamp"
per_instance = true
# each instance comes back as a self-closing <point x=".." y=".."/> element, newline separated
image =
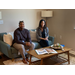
<point x="46" y="14"/>
<point x="0" y="15"/>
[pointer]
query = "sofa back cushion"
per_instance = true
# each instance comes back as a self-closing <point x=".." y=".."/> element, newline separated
<point x="1" y="36"/>
<point x="32" y="30"/>
<point x="33" y="35"/>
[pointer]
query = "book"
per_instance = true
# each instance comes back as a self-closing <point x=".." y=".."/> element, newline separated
<point x="45" y="51"/>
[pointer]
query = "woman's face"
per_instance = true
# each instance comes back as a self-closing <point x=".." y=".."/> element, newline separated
<point x="42" y="24"/>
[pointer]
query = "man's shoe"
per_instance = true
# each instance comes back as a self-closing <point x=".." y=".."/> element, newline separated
<point x="24" y="61"/>
<point x="27" y="59"/>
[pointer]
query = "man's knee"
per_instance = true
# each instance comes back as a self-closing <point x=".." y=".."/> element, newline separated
<point x="33" y="46"/>
<point x="21" y="46"/>
<point x="18" y="46"/>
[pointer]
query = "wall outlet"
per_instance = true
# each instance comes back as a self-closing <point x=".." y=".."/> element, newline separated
<point x="55" y="35"/>
<point x="60" y="36"/>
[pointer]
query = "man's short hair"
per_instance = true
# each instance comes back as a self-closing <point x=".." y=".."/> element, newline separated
<point x="21" y="22"/>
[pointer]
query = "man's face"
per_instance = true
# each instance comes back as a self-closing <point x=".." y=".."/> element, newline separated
<point x="21" y="25"/>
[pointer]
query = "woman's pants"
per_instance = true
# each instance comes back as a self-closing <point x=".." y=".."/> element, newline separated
<point x="44" y="43"/>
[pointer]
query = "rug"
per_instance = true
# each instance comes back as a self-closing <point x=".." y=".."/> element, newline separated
<point x="18" y="61"/>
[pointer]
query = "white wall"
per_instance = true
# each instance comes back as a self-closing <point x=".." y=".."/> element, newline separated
<point x="11" y="18"/>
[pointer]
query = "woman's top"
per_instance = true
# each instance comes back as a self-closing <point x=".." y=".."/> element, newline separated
<point x="43" y="33"/>
<point x="39" y="33"/>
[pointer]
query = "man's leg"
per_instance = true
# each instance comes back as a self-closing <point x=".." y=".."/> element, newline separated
<point x="21" y="49"/>
<point x="32" y="47"/>
<point x="29" y="48"/>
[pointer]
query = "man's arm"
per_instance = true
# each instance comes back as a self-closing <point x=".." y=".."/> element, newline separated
<point x="17" y="38"/>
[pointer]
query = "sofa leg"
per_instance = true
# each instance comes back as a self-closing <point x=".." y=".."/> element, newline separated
<point x="12" y="59"/>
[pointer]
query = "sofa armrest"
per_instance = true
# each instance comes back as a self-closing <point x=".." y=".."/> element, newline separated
<point x="5" y="48"/>
<point x="51" y="38"/>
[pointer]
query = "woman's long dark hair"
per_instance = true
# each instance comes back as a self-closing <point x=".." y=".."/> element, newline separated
<point x="40" y="23"/>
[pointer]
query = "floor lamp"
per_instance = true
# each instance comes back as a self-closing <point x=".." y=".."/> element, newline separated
<point x="46" y="14"/>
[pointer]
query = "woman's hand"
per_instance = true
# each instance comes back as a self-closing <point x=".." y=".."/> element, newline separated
<point x="46" y="38"/>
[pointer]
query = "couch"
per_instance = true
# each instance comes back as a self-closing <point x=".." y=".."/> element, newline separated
<point x="11" y="52"/>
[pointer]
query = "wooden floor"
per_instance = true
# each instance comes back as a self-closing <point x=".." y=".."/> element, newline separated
<point x="3" y="58"/>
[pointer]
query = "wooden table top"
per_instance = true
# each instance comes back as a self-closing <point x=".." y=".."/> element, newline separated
<point x="33" y="53"/>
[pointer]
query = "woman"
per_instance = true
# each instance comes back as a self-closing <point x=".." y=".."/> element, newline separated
<point x="42" y="34"/>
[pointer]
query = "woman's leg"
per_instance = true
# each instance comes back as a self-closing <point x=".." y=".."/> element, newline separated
<point x="44" y="43"/>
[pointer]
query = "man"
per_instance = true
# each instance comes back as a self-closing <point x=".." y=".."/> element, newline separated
<point x="22" y="41"/>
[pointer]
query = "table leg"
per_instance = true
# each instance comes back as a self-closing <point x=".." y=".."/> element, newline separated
<point x="41" y="62"/>
<point x="30" y="59"/>
<point x="68" y="58"/>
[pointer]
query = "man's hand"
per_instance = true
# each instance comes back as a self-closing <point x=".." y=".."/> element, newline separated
<point x="28" y="44"/>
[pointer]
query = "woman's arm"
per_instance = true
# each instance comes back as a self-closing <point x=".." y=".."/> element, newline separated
<point x="37" y="35"/>
<point x="42" y="38"/>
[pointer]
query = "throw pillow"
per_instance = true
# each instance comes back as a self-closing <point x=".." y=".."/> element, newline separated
<point x="33" y="35"/>
<point x="7" y="39"/>
<point x="11" y="33"/>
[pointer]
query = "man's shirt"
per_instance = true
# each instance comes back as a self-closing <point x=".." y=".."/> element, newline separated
<point x="21" y="36"/>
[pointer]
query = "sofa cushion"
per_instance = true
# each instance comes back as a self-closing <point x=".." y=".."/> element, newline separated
<point x="37" y="45"/>
<point x="1" y="36"/>
<point x="13" y="50"/>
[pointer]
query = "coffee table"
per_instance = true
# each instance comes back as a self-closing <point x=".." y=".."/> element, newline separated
<point x="42" y="57"/>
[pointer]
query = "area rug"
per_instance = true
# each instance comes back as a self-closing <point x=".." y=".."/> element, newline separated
<point x="18" y="61"/>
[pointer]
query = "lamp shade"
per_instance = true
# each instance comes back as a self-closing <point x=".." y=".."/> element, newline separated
<point x="46" y="13"/>
<point x="0" y="15"/>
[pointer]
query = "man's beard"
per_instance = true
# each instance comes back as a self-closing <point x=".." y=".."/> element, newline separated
<point x="21" y="28"/>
